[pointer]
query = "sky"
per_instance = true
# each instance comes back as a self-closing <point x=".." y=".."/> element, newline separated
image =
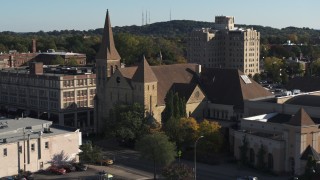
<point x="49" y="15"/>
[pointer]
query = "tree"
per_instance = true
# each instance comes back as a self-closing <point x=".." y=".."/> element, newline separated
<point x="181" y="131"/>
<point x="211" y="130"/>
<point x="272" y="66"/>
<point x="257" y="77"/>
<point x="244" y="150"/>
<point x="72" y="62"/>
<point x="157" y="148"/>
<point x="310" y="168"/>
<point x="175" y="107"/>
<point x="58" y="60"/>
<point x="128" y="123"/>
<point x="89" y="153"/>
<point x="178" y="172"/>
<point x="261" y="164"/>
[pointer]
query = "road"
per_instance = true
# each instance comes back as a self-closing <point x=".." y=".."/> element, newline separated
<point x="129" y="160"/>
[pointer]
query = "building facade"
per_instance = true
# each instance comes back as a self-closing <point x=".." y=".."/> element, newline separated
<point x="225" y="46"/>
<point x="287" y="127"/>
<point x="31" y="144"/>
<point x="63" y="95"/>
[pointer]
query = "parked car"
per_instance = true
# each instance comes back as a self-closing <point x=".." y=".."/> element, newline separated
<point x="56" y="170"/>
<point x="68" y="168"/>
<point x="106" y="162"/>
<point x="80" y="167"/>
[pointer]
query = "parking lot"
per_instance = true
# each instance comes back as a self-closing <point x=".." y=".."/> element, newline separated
<point x="92" y="173"/>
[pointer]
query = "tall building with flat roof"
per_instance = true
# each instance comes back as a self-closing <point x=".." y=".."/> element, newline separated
<point x="225" y="46"/>
<point x="61" y="94"/>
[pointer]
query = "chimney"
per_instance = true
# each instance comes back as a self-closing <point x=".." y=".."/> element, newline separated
<point x="34" y="46"/>
<point x="36" y="68"/>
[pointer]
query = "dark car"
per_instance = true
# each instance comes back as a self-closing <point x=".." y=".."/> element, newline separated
<point x="80" y="167"/>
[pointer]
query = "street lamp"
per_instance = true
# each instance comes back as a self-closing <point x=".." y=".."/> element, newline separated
<point x="195" y="157"/>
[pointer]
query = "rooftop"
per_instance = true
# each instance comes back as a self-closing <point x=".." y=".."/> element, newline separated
<point x="13" y="130"/>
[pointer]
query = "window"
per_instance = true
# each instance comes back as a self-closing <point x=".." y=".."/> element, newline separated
<point x="5" y="152"/>
<point x="20" y="149"/>
<point x="46" y="145"/>
<point x="32" y="147"/>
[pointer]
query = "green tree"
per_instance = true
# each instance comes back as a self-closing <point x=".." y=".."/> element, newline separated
<point x="181" y="131"/>
<point x="213" y="139"/>
<point x="72" y="62"/>
<point x="257" y="77"/>
<point x="157" y="148"/>
<point x="273" y="66"/>
<point x="175" y="107"/>
<point x="89" y="153"/>
<point x="58" y="60"/>
<point x="310" y="168"/>
<point x="128" y="123"/>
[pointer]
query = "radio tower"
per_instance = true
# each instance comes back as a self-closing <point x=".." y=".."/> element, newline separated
<point x="142" y="18"/>
<point x="149" y="17"/>
<point x="170" y="14"/>
<point x="146" y="17"/>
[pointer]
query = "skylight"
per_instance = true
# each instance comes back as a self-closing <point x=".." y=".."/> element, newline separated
<point x="246" y="79"/>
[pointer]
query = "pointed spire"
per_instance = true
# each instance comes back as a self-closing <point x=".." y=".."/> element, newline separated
<point x="144" y="73"/>
<point x="301" y="118"/>
<point x="107" y="48"/>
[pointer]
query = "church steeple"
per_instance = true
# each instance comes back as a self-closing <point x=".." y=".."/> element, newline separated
<point x="107" y="50"/>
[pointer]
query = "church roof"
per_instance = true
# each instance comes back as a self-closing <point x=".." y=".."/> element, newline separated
<point x="301" y="118"/>
<point x="107" y="48"/>
<point x="230" y="86"/>
<point x="144" y="73"/>
<point x="166" y="76"/>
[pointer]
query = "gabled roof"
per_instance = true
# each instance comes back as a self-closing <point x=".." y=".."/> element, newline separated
<point x="144" y="73"/>
<point x="309" y="151"/>
<point x="107" y="48"/>
<point x="226" y="86"/>
<point x="184" y="89"/>
<point x="301" y="118"/>
<point x="166" y="76"/>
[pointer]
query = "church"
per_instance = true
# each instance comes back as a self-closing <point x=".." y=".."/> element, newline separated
<point x="149" y="85"/>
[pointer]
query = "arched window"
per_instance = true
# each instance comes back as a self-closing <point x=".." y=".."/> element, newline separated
<point x="252" y="156"/>
<point x="270" y="161"/>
